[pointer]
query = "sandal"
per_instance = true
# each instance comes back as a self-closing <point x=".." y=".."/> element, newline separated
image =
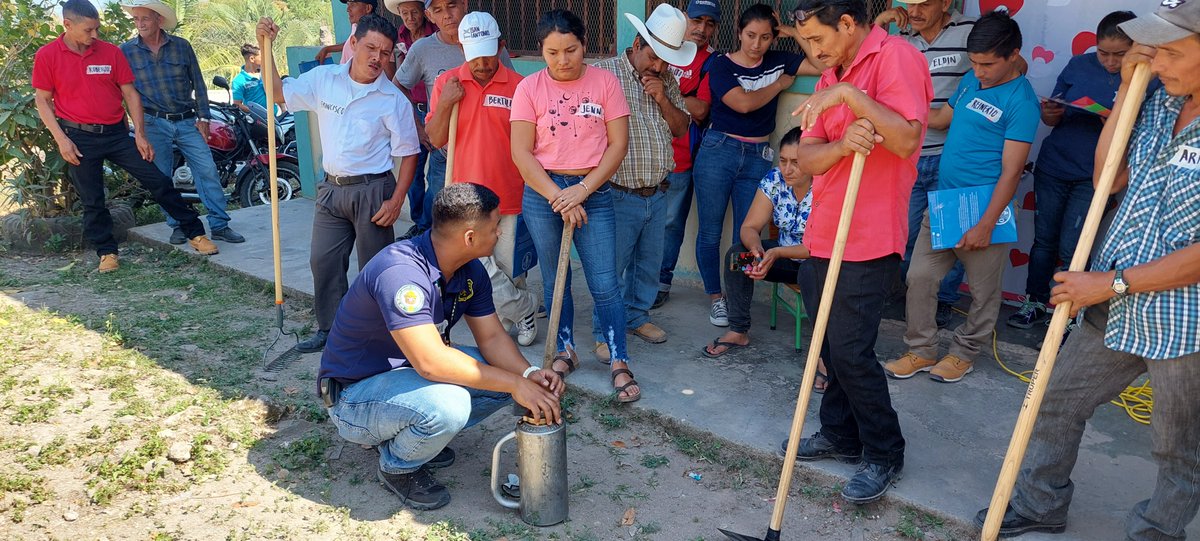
<point x="568" y="357"/>
<point x="821" y="382"/>
<point x="716" y="343"/>
<point x="623" y="388"/>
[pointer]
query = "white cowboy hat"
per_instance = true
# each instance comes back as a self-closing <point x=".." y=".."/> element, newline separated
<point x="394" y="5"/>
<point x="170" y="20"/>
<point x="664" y="31"/>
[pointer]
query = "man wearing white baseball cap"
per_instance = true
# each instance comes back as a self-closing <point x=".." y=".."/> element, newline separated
<point x="1142" y="296"/>
<point x="483" y="88"/>
<point x="639" y="197"/>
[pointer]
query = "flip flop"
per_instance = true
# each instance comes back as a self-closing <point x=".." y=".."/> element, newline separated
<point x="716" y="343"/>
<point x="821" y="382"/>
<point x="572" y="363"/>
<point x="618" y="390"/>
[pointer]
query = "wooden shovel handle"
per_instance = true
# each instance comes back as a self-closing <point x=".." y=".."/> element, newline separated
<point x="269" y="86"/>
<point x="451" y="145"/>
<point x="560" y="284"/>
<point x="1054" y="335"/>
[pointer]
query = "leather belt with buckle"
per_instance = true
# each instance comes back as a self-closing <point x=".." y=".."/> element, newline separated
<point x="350" y="180"/>
<point x="642" y="192"/>
<point x="94" y="128"/>
<point x="172" y="116"/>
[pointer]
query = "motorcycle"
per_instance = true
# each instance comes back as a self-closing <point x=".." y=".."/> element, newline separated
<point x="238" y="140"/>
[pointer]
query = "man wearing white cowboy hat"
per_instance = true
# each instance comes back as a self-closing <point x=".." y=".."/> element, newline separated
<point x="639" y="198"/>
<point x="175" y="98"/>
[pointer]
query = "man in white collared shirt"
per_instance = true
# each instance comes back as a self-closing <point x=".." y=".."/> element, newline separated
<point x="366" y="129"/>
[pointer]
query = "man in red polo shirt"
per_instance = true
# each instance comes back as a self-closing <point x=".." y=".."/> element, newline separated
<point x="80" y="83"/>
<point x="874" y="99"/>
<point x="483" y="89"/>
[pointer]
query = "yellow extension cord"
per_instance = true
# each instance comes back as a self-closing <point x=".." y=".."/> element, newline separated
<point x="1137" y="401"/>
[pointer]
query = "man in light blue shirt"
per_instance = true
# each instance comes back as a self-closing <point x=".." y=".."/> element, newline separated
<point x="247" y="86"/>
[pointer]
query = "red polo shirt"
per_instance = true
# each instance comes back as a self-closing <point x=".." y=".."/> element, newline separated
<point x="482" y="152"/>
<point x="86" y="87"/>
<point x="895" y="74"/>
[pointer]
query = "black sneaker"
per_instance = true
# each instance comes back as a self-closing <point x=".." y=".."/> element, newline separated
<point x="945" y="313"/>
<point x="315" y="343"/>
<point x="870" y="483"/>
<point x="660" y="299"/>
<point x="444" y="459"/>
<point x="228" y="235"/>
<point x="177" y="236"/>
<point x="818" y="447"/>
<point x="1030" y="312"/>
<point x="418" y="490"/>
<point x="1014" y="524"/>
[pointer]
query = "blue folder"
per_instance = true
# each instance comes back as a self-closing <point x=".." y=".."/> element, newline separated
<point x="952" y="212"/>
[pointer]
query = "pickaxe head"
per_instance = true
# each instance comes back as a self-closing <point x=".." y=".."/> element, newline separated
<point x="772" y="535"/>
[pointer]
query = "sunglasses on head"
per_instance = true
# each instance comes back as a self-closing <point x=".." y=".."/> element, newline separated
<point x="799" y="16"/>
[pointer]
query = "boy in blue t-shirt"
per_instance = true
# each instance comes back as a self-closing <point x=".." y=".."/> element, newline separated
<point x="247" y="86"/>
<point x="992" y="117"/>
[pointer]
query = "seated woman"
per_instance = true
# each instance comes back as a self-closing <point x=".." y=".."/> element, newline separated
<point x="570" y="131"/>
<point x="784" y="198"/>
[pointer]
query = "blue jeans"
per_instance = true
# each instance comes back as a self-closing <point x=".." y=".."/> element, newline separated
<point x="1062" y="205"/>
<point x="679" y="204"/>
<point x="918" y="205"/>
<point x="725" y="169"/>
<point x="416" y="193"/>
<point x="436" y="178"/>
<point x="596" y="244"/>
<point x="161" y="134"/>
<point x="409" y="418"/>
<point x="639" y="235"/>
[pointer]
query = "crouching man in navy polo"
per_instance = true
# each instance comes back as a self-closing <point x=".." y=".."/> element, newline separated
<point x="389" y="376"/>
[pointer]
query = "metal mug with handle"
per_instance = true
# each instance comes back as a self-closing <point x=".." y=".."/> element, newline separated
<point x="542" y="468"/>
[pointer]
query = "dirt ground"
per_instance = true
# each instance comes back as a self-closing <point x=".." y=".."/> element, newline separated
<point x="137" y="409"/>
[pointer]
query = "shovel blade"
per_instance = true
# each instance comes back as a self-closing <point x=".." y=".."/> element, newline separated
<point x="772" y="535"/>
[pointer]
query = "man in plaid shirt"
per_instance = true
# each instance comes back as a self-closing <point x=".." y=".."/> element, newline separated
<point x="1143" y="299"/>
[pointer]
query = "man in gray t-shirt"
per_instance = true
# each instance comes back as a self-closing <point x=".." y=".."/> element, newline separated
<point x="941" y="35"/>
<point x="429" y="57"/>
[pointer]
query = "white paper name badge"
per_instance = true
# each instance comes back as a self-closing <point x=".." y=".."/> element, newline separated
<point x="1188" y="158"/>
<point x="989" y="111"/>
<point x="101" y="69"/>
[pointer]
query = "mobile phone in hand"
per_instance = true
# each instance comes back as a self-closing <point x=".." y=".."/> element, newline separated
<point x="743" y="261"/>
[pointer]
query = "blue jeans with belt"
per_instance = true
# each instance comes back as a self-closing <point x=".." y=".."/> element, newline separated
<point x="409" y="418"/>
<point x="726" y="169"/>
<point x="162" y="134"/>
<point x="596" y="244"/>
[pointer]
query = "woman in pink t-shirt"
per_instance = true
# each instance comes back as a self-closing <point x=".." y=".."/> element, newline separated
<point x="570" y="131"/>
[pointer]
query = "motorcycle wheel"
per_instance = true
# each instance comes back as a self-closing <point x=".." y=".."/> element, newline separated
<point x="254" y="189"/>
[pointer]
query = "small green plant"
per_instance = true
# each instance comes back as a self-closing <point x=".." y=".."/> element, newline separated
<point x="914" y="523"/>
<point x="304" y="453"/>
<point x="655" y="461"/>
<point x="610" y="421"/>
<point x="705" y="450"/>
<point x="584" y="483"/>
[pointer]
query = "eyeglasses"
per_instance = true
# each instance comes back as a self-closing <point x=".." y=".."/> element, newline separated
<point x="798" y="16"/>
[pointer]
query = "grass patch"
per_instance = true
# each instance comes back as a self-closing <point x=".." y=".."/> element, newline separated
<point x="305" y="453"/>
<point x="144" y="469"/>
<point x="914" y="523"/>
<point x="704" y="449"/>
<point x="655" y="461"/>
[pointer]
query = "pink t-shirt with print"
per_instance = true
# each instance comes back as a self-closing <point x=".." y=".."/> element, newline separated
<point x="571" y="116"/>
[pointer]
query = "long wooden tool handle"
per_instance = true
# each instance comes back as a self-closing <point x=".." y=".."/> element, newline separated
<point x="560" y="284"/>
<point x="268" y="84"/>
<point x="1054" y="335"/>
<point x="818" y="338"/>
<point x="451" y="144"/>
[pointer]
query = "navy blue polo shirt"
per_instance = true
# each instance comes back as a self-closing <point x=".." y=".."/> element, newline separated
<point x="401" y="287"/>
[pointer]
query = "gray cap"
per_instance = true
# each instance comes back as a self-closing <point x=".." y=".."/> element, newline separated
<point x="1172" y="21"/>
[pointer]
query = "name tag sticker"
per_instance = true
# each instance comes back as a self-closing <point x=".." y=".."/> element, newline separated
<point x="103" y="69"/>
<point x="943" y="62"/>
<point x="1188" y="158"/>
<point x="492" y="100"/>
<point x="989" y="111"/>
<point x="590" y="109"/>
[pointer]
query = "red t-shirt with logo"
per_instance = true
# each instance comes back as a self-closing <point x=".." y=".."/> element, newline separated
<point x="689" y="78"/>
<point x="86" y="87"/>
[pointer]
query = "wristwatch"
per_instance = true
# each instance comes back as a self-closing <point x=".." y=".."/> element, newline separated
<point x="1119" y="286"/>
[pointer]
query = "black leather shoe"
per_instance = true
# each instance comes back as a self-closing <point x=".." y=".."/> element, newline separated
<point x="228" y="235"/>
<point x="819" y="447"/>
<point x="660" y="299"/>
<point x="315" y="343"/>
<point x="945" y="312"/>
<point x="444" y="459"/>
<point x="418" y="490"/>
<point x="177" y="236"/>
<point x="870" y="483"/>
<point x="1014" y="524"/>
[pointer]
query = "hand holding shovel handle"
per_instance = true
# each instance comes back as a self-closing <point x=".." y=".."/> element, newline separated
<point x="814" y="352"/>
<point x="1045" y="364"/>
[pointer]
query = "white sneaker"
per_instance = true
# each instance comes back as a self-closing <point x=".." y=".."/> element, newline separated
<point x="719" y="314"/>
<point x="526" y="330"/>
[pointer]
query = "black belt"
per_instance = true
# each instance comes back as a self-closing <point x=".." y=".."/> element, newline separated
<point x="172" y="116"/>
<point x="350" y="180"/>
<point x="94" y="128"/>
<point x="643" y="192"/>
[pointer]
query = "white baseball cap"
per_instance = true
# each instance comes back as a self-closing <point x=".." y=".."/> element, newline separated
<point x="479" y="35"/>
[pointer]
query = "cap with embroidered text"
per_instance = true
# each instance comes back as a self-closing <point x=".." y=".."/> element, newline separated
<point x="479" y="35"/>
<point x="704" y="8"/>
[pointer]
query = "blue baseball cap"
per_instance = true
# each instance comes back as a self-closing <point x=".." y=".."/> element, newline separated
<point x="704" y="8"/>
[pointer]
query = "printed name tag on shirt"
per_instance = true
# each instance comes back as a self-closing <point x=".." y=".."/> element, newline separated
<point x="943" y="62"/>
<point x="99" y="69"/>
<point x="590" y="109"/>
<point x="1188" y="158"/>
<point x="492" y="100"/>
<point x="989" y="111"/>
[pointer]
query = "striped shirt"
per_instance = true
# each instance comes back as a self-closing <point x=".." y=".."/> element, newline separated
<point x="650" y="156"/>
<point x="948" y="62"/>
<point x="1160" y="215"/>
<point x="167" y="80"/>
